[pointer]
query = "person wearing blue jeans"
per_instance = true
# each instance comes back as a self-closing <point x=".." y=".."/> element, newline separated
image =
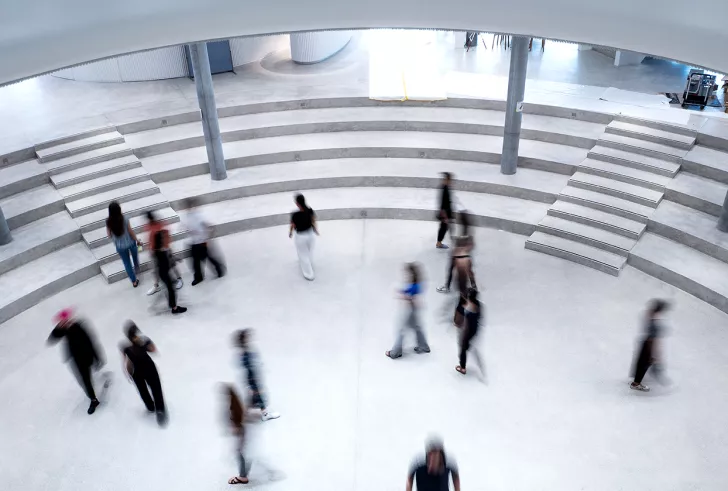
<point x="409" y="294"/>
<point x="120" y="232"/>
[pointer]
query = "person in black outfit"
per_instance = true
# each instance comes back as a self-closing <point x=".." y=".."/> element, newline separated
<point x="163" y="263"/>
<point x="649" y="352"/>
<point x="444" y="214"/>
<point x="472" y="313"/>
<point x="465" y="220"/>
<point x="433" y="472"/>
<point x="81" y="349"/>
<point x="142" y="370"/>
<point x="463" y="266"/>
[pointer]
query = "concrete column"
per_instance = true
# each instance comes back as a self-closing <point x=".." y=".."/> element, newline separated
<point x="5" y="237"/>
<point x="206" y="99"/>
<point x="723" y="220"/>
<point x="516" y="90"/>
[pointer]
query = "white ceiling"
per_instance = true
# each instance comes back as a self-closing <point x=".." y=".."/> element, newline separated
<point x="38" y="36"/>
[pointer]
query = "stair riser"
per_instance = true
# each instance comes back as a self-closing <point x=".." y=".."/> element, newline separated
<point x="656" y="125"/>
<point x="648" y="138"/>
<point x="593" y="223"/>
<point x="630" y="163"/>
<point x="107" y="187"/>
<point x="73" y="138"/>
<point x="75" y="151"/>
<point x="584" y="261"/>
<point x="105" y="240"/>
<point x="95" y="160"/>
<point x="121" y="199"/>
<point x="582" y="239"/>
<point x="106" y="172"/>
<point x="601" y="207"/>
<point x="35" y="214"/>
<point x="641" y="151"/>
<point x="689" y="240"/>
<point x="613" y="192"/>
<point x="113" y="257"/>
<point x="622" y="178"/>
<point x="127" y="213"/>
<point x="39" y="251"/>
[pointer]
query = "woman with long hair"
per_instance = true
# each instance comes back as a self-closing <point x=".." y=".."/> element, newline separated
<point x="304" y="223"/>
<point x="409" y="294"/>
<point x="649" y="352"/>
<point x="120" y="232"/>
<point x="236" y="419"/>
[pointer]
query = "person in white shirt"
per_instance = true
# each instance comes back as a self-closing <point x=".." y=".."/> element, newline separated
<point x="200" y="234"/>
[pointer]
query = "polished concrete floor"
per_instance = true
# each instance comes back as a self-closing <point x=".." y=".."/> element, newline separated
<point x="47" y="107"/>
<point x="555" y="411"/>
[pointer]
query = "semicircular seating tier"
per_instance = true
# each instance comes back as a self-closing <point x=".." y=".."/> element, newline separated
<point x="603" y="190"/>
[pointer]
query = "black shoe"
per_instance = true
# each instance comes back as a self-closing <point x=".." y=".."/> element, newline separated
<point x="179" y="310"/>
<point x="162" y="418"/>
<point x="196" y="282"/>
<point x="92" y="407"/>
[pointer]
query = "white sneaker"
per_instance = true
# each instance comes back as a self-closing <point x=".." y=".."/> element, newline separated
<point x="269" y="415"/>
<point x="154" y="290"/>
<point x="640" y="387"/>
<point x="443" y="289"/>
<point x="178" y="284"/>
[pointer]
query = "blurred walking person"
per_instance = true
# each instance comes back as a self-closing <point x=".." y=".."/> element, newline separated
<point x="444" y="214"/>
<point x="143" y="372"/>
<point x="303" y="222"/>
<point x="120" y="232"/>
<point x="463" y="266"/>
<point x="465" y="220"/>
<point x="251" y="363"/>
<point x="153" y="226"/>
<point x="163" y="265"/>
<point x="433" y="472"/>
<point x="410" y="295"/>
<point x="472" y="316"/>
<point x="650" y="351"/>
<point x="200" y="235"/>
<point x="236" y="419"/>
<point x="81" y="349"/>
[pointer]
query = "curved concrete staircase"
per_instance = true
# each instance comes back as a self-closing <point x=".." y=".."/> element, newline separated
<point x="600" y="190"/>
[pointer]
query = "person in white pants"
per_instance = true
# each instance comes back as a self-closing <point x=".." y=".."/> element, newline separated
<point x="303" y="222"/>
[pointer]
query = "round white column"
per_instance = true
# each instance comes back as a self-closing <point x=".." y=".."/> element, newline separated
<point x="314" y="47"/>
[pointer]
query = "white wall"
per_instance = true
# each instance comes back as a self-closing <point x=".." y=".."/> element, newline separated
<point x="45" y="35"/>
<point x="313" y="47"/>
<point x="157" y="64"/>
<point x="249" y="49"/>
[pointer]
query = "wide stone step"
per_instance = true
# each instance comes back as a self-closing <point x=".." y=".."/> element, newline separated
<point x="104" y="183"/>
<point x="135" y="207"/>
<point x="626" y="174"/>
<point x="619" y="189"/>
<point x="654" y="135"/>
<point x="114" y="271"/>
<point x="585" y="234"/>
<point x="101" y="201"/>
<point x="37" y="239"/>
<point x="83" y="174"/>
<point x="75" y="137"/>
<point x="658" y="125"/>
<point x="642" y="147"/>
<point x="690" y="227"/>
<point x="76" y="147"/>
<point x="577" y="252"/>
<point x="697" y="192"/>
<point x="27" y="206"/>
<point x="98" y="237"/>
<point x="107" y="252"/>
<point x="25" y="286"/>
<point x="606" y="203"/>
<point x="707" y="162"/>
<point x="683" y="267"/>
<point x="634" y="160"/>
<point x="21" y="177"/>
<point x="89" y="158"/>
<point x="597" y="218"/>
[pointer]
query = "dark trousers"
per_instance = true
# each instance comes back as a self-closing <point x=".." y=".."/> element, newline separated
<point x="155" y="402"/>
<point x="163" y="267"/>
<point x="83" y="372"/>
<point x="643" y="363"/>
<point x="467" y="336"/>
<point x="449" y="271"/>
<point x="443" y="229"/>
<point x="256" y="397"/>
<point x="200" y="252"/>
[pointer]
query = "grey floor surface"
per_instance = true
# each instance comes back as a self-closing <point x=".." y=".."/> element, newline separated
<point x="555" y="413"/>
